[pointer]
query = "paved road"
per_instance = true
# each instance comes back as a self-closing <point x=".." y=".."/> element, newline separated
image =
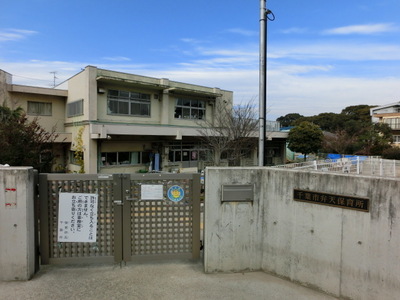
<point x="173" y="280"/>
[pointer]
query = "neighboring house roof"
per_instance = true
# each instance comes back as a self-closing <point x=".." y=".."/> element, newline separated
<point x="392" y="108"/>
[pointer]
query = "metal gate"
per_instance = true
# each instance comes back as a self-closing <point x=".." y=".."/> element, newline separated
<point x="138" y="215"/>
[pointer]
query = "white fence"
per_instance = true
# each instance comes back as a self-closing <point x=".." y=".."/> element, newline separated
<point x="363" y="165"/>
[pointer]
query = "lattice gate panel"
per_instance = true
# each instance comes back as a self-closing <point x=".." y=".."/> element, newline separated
<point x="104" y="245"/>
<point x="161" y="226"/>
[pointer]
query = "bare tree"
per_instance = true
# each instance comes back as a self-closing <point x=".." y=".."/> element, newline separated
<point x="232" y="131"/>
<point x="340" y="142"/>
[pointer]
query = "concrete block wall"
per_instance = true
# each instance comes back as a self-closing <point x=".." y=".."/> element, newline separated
<point x="344" y="252"/>
<point x="17" y="244"/>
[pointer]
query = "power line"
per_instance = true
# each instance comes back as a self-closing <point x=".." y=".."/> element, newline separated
<point x="37" y="79"/>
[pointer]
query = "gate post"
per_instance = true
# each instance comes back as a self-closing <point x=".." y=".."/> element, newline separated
<point x="17" y="236"/>
<point x="196" y="216"/>
<point x="118" y="203"/>
<point x="126" y="218"/>
<point x="44" y="219"/>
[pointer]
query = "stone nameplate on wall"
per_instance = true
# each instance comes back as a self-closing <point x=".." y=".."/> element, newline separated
<point x="341" y="201"/>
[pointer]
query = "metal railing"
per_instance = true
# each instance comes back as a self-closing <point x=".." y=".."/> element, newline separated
<point x="363" y="165"/>
<point x="272" y="126"/>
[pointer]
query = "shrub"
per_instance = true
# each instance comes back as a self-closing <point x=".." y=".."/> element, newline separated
<point x="391" y="153"/>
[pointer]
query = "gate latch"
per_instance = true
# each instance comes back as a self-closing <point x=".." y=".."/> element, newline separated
<point x="118" y="202"/>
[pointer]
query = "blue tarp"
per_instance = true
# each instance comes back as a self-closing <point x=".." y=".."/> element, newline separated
<point x="335" y="157"/>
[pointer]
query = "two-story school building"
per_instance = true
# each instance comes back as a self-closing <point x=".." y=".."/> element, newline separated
<point x="126" y="123"/>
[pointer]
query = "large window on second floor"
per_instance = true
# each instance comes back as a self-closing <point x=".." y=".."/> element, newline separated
<point x="128" y="103"/>
<point x="186" y="108"/>
<point x="394" y="123"/>
<point x="39" y="108"/>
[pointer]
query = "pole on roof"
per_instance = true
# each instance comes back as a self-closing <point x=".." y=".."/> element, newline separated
<point x="262" y="85"/>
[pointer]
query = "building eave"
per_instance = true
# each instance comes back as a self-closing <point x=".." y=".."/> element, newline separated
<point x="172" y="88"/>
<point x="16" y="88"/>
<point x="104" y="130"/>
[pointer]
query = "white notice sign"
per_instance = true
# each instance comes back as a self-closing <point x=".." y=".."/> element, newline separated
<point x="152" y="192"/>
<point x="77" y="217"/>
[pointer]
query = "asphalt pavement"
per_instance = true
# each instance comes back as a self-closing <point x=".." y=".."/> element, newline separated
<point x="166" y="280"/>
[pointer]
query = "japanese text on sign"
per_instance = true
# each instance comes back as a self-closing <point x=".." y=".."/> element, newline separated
<point x="77" y="217"/>
<point x="152" y="192"/>
<point x="332" y="200"/>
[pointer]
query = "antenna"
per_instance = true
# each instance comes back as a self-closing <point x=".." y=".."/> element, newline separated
<point x="54" y="77"/>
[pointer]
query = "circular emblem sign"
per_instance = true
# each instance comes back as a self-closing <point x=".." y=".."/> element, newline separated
<point x="175" y="193"/>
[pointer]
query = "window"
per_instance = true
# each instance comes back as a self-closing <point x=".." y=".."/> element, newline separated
<point x="124" y="158"/>
<point x="394" y="123"/>
<point x="39" y="108"/>
<point x="190" y="109"/>
<point x="179" y="152"/>
<point x="75" y="108"/>
<point x="128" y="103"/>
<point x="74" y="157"/>
<point x="396" y="139"/>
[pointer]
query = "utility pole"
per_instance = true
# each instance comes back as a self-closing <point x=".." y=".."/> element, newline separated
<point x="262" y="97"/>
<point x="264" y="12"/>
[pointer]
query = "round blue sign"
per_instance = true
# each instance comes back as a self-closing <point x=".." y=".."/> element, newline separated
<point x="175" y="193"/>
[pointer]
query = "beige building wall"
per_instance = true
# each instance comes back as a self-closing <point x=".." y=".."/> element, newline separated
<point x="164" y="94"/>
<point x="55" y="121"/>
<point x="92" y="86"/>
<point x="102" y="106"/>
<point x="16" y="96"/>
<point x="83" y="86"/>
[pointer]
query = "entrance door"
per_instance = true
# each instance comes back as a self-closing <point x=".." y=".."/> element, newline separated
<point x="162" y="212"/>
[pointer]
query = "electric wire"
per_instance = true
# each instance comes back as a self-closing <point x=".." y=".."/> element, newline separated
<point x="37" y="79"/>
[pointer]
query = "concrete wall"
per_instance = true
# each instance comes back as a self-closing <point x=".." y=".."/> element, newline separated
<point x="17" y="244"/>
<point x="345" y="252"/>
<point x="233" y="231"/>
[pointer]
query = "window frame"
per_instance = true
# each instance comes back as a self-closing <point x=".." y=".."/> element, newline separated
<point x="132" y="100"/>
<point x="140" y="154"/>
<point x="75" y="108"/>
<point x="193" y="152"/>
<point x="186" y="108"/>
<point x="394" y="123"/>
<point x="41" y="105"/>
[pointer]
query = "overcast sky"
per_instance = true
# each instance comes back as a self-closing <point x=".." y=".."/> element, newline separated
<point x="322" y="55"/>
